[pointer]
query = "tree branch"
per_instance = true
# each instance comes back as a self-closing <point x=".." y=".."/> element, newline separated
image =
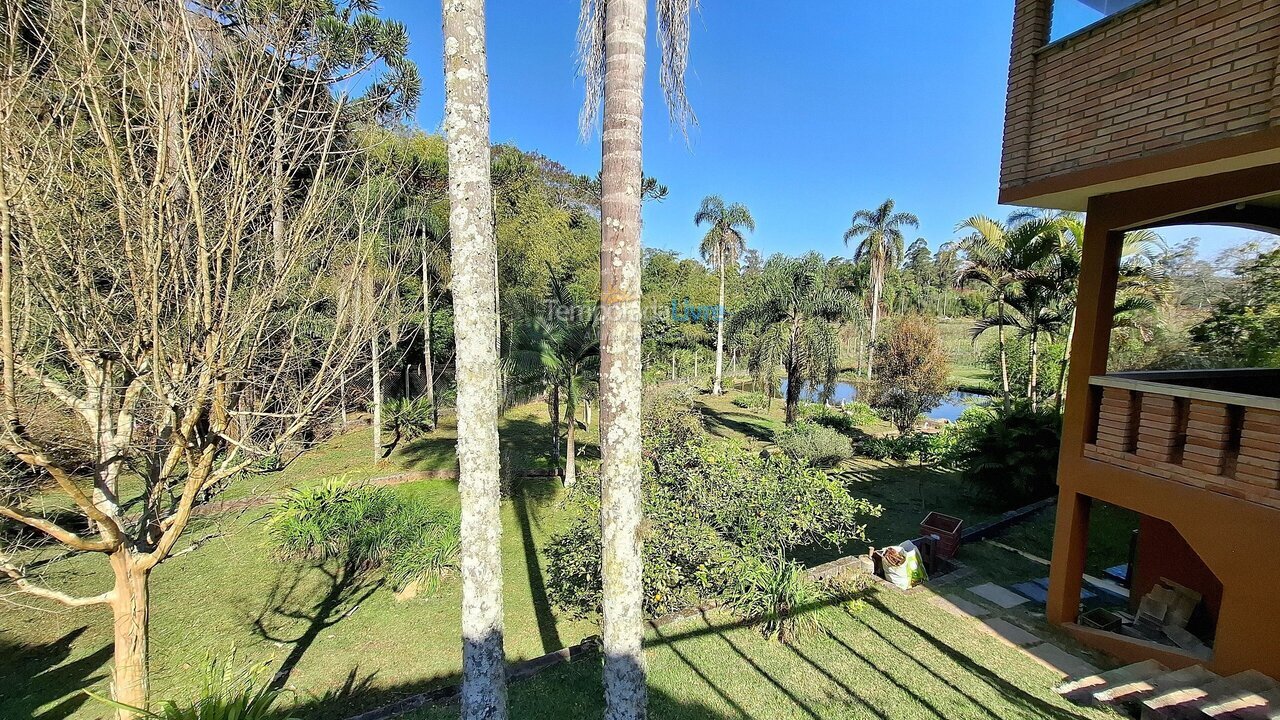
<point x="21" y="582"/>
<point x="57" y="532"/>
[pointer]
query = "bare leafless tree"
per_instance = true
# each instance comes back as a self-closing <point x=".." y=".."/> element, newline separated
<point x="176" y="326"/>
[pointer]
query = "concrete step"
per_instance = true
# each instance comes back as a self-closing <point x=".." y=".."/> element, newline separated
<point x="1152" y="692"/>
<point x="1082" y="690"/>
<point x="1258" y="698"/>
<point x="1188" y="703"/>
<point x="1139" y="690"/>
<point x="1268" y="710"/>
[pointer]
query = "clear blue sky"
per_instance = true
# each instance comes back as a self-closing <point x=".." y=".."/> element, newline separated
<point x="808" y="111"/>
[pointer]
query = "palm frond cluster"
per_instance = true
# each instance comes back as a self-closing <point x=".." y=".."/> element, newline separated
<point x="1029" y="269"/>
<point x="366" y="528"/>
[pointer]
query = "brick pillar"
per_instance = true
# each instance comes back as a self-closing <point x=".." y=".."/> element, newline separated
<point x="1259" y="460"/>
<point x="1030" y="33"/>
<point x="1159" y="429"/>
<point x="1208" y="437"/>
<point x="1117" y="420"/>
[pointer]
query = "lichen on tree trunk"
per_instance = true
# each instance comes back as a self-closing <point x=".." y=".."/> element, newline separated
<point x="474" y="253"/>
<point x="620" y="369"/>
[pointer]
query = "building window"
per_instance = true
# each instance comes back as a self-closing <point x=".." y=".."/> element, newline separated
<point x="1072" y="15"/>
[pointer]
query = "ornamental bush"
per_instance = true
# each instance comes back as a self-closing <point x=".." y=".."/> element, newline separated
<point x="1010" y="456"/>
<point x="814" y="444"/>
<point x="750" y="400"/>
<point x="710" y="506"/>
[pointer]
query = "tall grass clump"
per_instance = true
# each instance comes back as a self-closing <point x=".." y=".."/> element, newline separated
<point x="368" y="528"/>
<point x="227" y="692"/>
<point x="781" y="599"/>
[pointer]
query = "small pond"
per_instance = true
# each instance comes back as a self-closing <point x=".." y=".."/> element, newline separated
<point x="952" y="405"/>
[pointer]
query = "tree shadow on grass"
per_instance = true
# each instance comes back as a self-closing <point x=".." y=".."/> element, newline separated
<point x="928" y="669"/>
<point x="431" y="452"/>
<point x="289" y="603"/>
<point x="40" y="671"/>
<point x="736" y="425"/>
<point x="565" y="692"/>
<point x="528" y="494"/>
<point x="1035" y="706"/>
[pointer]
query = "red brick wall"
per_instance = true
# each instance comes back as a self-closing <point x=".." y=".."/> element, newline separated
<point x="1164" y="74"/>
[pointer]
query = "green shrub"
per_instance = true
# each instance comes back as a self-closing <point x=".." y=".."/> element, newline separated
<point x="847" y="419"/>
<point x="709" y="505"/>
<point x="1010" y="456"/>
<point x="861" y="413"/>
<point x="750" y="400"/>
<point x="670" y="420"/>
<point x="814" y="444"/>
<point x="900" y="448"/>
<point x="367" y="528"/>
<point x="777" y="595"/>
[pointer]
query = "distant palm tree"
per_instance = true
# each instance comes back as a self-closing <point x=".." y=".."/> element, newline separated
<point x="722" y="246"/>
<point x="881" y="245"/>
<point x="796" y="315"/>
<point x="560" y="351"/>
<point x="1141" y="286"/>
<point x="996" y="254"/>
<point x="428" y="223"/>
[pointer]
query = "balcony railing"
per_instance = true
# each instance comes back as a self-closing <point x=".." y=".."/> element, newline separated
<point x="1215" y="429"/>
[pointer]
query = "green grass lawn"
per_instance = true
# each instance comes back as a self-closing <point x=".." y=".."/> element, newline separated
<point x="968" y="373"/>
<point x="896" y="657"/>
<point x="232" y="594"/>
<point x="352" y="645"/>
<point x="1110" y="530"/>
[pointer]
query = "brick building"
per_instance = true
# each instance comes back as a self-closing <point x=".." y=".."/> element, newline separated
<point x="1158" y="113"/>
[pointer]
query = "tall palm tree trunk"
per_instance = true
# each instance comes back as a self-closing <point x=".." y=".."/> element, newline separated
<point x="553" y="410"/>
<point x="570" y="446"/>
<point x="795" y="382"/>
<point x="622" y="623"/>
<point x="877" y="288"/>
<point x="716" y="388"/>
<point x="475" y="296"/>
<point x="1062" y="370"/>
<point x="1004" y="356"/>
<point x="1033" y="390"/>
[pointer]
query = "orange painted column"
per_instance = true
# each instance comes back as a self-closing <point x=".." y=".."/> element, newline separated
<point x="1095" y="306"/>
<point x="1070" y="544"/>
